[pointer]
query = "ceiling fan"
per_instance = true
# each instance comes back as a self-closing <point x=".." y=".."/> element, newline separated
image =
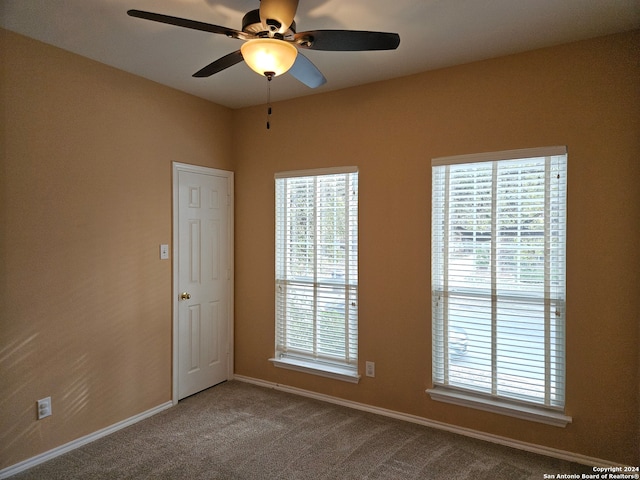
<point x="272" y="43"/>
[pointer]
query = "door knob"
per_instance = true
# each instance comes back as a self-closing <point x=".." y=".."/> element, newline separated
<point x="185" y="296"/>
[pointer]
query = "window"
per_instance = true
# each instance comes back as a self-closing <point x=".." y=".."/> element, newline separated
<point x="317" y="272"/>
<point x="498" y="282"/>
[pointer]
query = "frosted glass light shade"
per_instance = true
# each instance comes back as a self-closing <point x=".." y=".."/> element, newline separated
<point x="269" y="55"/>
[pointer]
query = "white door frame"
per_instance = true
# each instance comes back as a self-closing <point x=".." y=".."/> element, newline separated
<point x="177" y="167"/>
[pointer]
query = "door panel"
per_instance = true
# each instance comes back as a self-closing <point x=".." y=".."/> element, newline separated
<point x="203" y="343"/>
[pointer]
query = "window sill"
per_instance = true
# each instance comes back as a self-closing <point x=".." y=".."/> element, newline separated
<point x="525" y="412"/>
<point x="313" y="368"/>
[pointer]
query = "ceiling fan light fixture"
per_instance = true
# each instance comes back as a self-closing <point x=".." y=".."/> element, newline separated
<point x="269" y="55"/>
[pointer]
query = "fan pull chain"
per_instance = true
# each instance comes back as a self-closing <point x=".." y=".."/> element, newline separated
<point x="269" y="76"/>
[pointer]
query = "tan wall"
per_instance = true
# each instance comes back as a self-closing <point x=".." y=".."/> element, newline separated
<point x="85" y="202"/>
<point x="584" y="95"/>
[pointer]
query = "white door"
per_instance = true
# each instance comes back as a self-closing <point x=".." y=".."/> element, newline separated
<point x="202" y="282"/>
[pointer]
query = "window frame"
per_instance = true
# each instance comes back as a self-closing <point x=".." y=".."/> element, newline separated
<point x="314" y="362"/>
<point x="442" y="390"/>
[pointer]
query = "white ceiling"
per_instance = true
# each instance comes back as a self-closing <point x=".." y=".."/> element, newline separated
<point x="433" y="33"/>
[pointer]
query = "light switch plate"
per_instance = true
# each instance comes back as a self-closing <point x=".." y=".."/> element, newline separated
<point x="164" y="252"/>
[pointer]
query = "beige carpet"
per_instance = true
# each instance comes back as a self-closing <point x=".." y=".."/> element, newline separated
<point x="241" y="431"/>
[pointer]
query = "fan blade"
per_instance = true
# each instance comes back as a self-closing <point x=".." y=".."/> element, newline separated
<point x="306" y="72"/>
<point x="193" y="24"/>
<point x="277" y="15"/>
<point x="224" y="62"/>
<point x="347" y="40"/>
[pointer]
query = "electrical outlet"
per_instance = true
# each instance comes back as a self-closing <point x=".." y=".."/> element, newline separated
<point x="370" y="369"/>
<point x="44" y="408"/>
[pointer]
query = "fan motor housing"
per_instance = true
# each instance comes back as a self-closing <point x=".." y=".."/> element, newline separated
<point x="251" y="23"/>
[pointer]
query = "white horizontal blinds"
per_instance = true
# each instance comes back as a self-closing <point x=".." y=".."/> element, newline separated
<point x="317" y="267"/>
<point x="499" y="276"/>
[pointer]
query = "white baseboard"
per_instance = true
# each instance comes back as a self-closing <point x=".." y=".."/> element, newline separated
<point x="67" y="447"/>
<point x="528" y="447"/>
